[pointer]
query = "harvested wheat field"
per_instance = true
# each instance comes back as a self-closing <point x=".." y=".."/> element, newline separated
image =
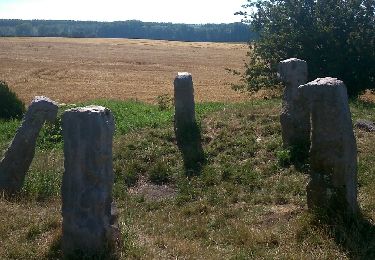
<point x="77" y="70"/>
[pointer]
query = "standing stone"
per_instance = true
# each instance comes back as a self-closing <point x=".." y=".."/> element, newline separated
<point x="185" y="126"/>
<point x="184" y="101"/>
<point x="333" y="152"/>
<point x="18" y="157"/>
<point x="88" y="226"/>
<point x="295" y="121"/>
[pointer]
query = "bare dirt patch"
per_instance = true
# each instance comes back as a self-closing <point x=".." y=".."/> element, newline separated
<point x="76" y="70"/>
<point x="152" y="191"/>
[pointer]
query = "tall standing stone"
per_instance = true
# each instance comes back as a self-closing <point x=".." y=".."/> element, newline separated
<point x="87" y="181"/>
<point x="184" y="115"/>
<point x="185" y="126"/>
<point x="333" y="152"/>
<point x="18" y="157"/>
<point x="295" y="121"/>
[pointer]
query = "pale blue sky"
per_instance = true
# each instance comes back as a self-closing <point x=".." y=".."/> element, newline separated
<point x="177" y="11"/>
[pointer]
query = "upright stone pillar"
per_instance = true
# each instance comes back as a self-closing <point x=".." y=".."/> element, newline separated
<point x="87" y="181"/>
<point x="333" y="152"/>
<point x="184" y="101"/>
<point x="18" y="157"/>
<point x="185" y="126"/>
<point x="295" y="121"/>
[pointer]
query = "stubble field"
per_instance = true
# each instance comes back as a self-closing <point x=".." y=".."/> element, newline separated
<point x="77" y="70"/>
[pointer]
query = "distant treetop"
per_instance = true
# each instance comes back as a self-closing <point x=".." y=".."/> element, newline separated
<point x="133" y="29"/>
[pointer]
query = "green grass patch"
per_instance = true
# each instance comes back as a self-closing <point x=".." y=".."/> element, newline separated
<point x="133" y="115"/>
<point x="248" y="201"/>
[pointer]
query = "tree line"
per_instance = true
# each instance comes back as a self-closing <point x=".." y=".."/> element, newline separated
<point x="133" y="29"/>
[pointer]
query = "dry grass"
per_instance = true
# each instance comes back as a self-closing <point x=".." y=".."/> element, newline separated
<point x="247" y="203"/>
<point x="28" y="229"/>
<point x="76" y="70"/>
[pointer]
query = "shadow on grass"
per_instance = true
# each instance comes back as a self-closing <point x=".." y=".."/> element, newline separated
<point x="190" y="145"/>
<point x="353" y="233"/>
<point x="55" y="252"/>
<point x="299" y="157"/>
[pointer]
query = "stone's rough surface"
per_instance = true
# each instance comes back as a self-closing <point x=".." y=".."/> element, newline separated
<point x="295" y="122"/>
<point x="333" y="152"/>
<point x="365" y="125"/>
<point x="88" y="224"/>
<point x="18" y="157"/>
<point x="185" y="126"/>
<point x="184" y="100"/>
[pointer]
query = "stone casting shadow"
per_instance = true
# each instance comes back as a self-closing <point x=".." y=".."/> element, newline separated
<point x="189" y="143"/>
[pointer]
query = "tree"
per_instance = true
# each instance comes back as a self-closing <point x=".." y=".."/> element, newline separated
<point x="335" y="37"/>
<point x="25" y="29"/>
<point x="127" y="29"/>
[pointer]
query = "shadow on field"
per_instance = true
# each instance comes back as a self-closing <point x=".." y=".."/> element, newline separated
<point x="355" y="234"/>
<point x="55" y="252"/>
<point x="189" y="142"/>
<point x="299" y="157"/>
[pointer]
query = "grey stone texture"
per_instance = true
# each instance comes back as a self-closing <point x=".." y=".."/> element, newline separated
<point x="185" y="126"/>
<point x="333" y="152"/>
<point x="295" y="121"/>
<point x="18" y="157"/>
<point x="184" y="101"/>
<point x="365" y="125"/>
<point x="88" y="222"/>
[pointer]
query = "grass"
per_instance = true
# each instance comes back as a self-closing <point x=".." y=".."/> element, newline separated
<point x="248" y="202"/>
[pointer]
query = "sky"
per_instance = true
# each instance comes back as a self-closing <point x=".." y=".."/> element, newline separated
<point x="175" y="11"/>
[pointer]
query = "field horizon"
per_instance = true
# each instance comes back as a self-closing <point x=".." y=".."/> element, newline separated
<point x="71" y="70"/>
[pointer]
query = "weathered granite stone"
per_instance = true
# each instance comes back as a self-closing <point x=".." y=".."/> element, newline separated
<point x="295" y="121"/>
<point x="18" y="157"/>
<point x="185" y="126"/>
<point x="365" y="125"/>
<point x="184" y="100"/>
<point x="88" y="224"/>
<point x="333" y="152"/>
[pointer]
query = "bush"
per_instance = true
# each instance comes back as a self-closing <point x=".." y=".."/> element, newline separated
<point x="10" y="105"/>
<point x="164" y="102"/>
<point x="335" y="37"/>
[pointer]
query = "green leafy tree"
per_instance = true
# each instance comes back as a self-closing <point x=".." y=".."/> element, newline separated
<point x="335" y="37"/>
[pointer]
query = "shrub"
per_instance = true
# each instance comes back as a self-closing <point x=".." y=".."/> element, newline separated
<point x="10" y="105"/>
<point x="335" y="37"/>
<point x="164" y="102"/>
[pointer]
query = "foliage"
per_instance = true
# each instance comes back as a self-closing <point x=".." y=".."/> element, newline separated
<point x="233" y="32"/>
<point x="284" y="158"/>
<point x="51" y="134"/>
<point x="335" y="37"/>
<point x="10" y="105"/>
<point x="164" y="101"/>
